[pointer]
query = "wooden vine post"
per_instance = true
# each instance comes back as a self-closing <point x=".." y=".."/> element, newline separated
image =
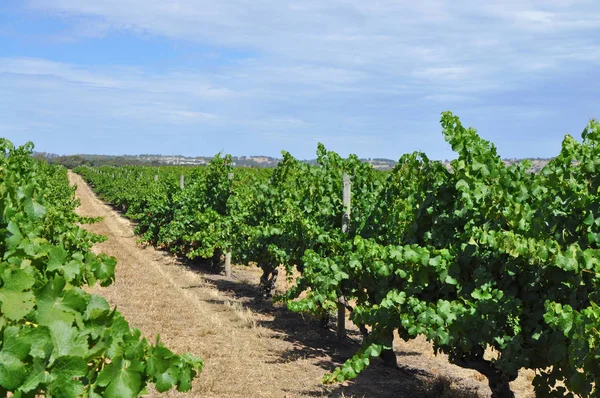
<point x="155" y="177"/>
<point x="228" y="253"/>
<point x="341" y="305"/>
<point x="181" y="181"/>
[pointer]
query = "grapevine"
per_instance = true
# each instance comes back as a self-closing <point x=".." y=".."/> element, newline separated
<point x="477" y="257"/>
<point x="55" y="338"/>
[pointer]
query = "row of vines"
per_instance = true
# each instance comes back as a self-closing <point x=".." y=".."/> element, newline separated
<point x="55" y="338"/>
<point x="477" y="257"/>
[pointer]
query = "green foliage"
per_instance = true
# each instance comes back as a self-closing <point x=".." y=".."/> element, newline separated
<point x="477" y="256"/>
<point x="56" y="339"/>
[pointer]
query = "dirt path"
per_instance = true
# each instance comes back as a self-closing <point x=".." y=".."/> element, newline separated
<point x="250" y="348"/>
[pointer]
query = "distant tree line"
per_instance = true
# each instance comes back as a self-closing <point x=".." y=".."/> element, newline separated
<point x="73" y="161"/>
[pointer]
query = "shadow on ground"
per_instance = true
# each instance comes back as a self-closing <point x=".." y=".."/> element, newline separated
<point x="311" y="340"/>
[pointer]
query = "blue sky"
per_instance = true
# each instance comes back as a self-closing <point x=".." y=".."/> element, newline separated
<point x="197" y="77"/>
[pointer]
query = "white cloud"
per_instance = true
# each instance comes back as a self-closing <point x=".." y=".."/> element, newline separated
<point x="340" y="66"/>
<point x="42" y="67"/>
<point x="444" y="73"/>
<point x="343" y="41"/>
<point x="191" y="82"/>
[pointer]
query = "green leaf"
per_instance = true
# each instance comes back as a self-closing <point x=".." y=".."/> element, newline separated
<point x="58" y="257"/>
<point x="72" y="270"/>
<point x="38" y="376"/>
<point x="482" y="293"/>
<point x="436" y="261"/>
<point x="443" y="336"/>
<point x="15" y="349"/>
<point x="50" y="306"/>
<point x="97" y="306"/>
<point x="165" y="380"/>
<point x="14" y="237"/>
<point x="462" y="185"/>
<point x="68" y="340"/>
<point x="104" y="269"/>
<point x="68" y="372"/>
<point x="16" y="305"/>
<point x="374" y="350"/>
<point x="41" y="342"/>
<point x="120" y="379"/>
<point x="17" y="280"/>
<point x="33" y="209"/>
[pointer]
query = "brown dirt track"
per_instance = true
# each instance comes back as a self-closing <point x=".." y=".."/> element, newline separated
<point x="252" y="348"/>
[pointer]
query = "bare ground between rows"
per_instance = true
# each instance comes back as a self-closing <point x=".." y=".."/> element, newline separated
<point x="253" y="348"/>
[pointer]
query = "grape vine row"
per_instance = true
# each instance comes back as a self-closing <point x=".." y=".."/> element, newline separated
<point x="476" y="257"/>
<point x="55" y="338"/>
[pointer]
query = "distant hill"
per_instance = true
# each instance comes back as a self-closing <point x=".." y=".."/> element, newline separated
<point x="240" y="161"/>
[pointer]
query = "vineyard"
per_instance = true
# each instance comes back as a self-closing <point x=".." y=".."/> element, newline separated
<point x="480" y="257"/>
<point x="56" y="339"/>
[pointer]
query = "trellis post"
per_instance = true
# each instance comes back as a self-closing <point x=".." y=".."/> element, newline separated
<point x="341" y="305"/>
